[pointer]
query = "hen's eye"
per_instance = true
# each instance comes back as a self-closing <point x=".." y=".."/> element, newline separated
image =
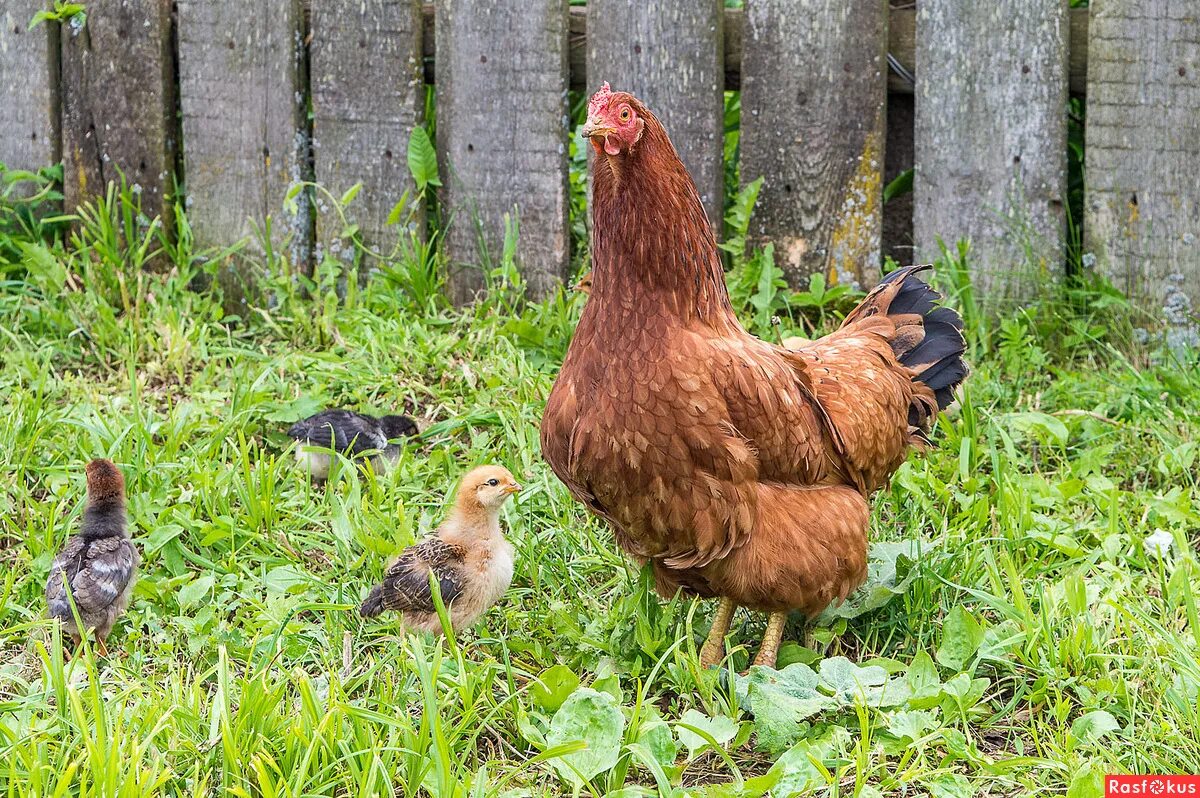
<point x="625" y="114"/>
<point x="493" y="482"/>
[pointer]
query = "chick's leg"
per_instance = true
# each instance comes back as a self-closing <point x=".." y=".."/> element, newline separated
<point x="714" y="647"/>
<point x="101" y="646"/>
<point x="768" y="652"/>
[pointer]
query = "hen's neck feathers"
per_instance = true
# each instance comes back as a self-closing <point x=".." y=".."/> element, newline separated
<point x="651" y="240"/>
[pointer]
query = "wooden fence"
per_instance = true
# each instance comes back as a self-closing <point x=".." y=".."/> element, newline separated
<point x="215" y="96"/>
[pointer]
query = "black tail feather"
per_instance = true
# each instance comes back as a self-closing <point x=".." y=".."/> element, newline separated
<point x="935" y="354"/>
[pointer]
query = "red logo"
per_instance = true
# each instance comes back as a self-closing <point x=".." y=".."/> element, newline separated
<point x="1152" y="786"/>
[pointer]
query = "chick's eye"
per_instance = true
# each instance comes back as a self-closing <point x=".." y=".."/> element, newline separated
<point x="493" y="482"/>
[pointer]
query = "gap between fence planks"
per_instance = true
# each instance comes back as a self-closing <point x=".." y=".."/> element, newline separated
<point x="901" y="44"/>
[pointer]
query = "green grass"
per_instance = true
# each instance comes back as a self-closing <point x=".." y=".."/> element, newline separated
<point x="1033" y="644"/>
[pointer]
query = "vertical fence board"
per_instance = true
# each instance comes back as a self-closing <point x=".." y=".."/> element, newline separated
<point x="118" y="104"/>
<point x="1142" y="207"/>
<point x="242" y="103"/>
<point x="813" y="98"/>
<point x="669" y="55"/>
<point x="29" y="137"/>
<point x="361" y="124"/>
<point x="991" y="134"/>
<point x="502" y="136"/>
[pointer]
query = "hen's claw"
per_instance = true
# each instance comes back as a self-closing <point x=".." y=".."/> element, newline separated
<point x="714" y="647"/>
<point x="768" y="652"/>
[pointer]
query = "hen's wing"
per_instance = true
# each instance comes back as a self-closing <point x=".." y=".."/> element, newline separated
<point x="98" y="572"/>
<point x="341" y="430"/>
<point x="405" y="585"/>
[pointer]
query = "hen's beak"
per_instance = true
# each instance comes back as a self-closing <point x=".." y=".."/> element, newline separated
<point x="513" y="488"/>
<point x="595" y="128"/>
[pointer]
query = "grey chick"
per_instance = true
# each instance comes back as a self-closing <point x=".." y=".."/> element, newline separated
<point x="97" y="566"/>
<point x="355" y="435"/>
<point x="467" y="554"/>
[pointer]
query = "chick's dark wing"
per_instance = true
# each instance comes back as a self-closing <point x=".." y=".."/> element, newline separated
<point x="406" y="584"/>
<point x="108" y="568"/>
<point x="340" y="430"/>
<point x="63" y="571"/>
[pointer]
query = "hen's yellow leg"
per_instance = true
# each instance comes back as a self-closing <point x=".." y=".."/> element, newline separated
<point x="768" y="652"/>
<point x="714" y="647"/>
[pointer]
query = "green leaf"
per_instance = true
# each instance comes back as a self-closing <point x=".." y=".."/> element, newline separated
<point x="780" y="701"/>
<point x="890" y="571"/>
<point x="847" y="681"/>
<point x="553" y="686"/>
<point x="900" y="185"/>
<point x="912" y="725"/>
<point x="422" y="159"/>
<point x="802" y="767"/>
<point x="952" y="786"/>
<point x="657" y="738"/>
<point x="350" y="194"/>
<point x="285" y="579"/>
<point x="195" y="591"/>
<point x="1032" y="423"/>
<point x="1088" y="782"/>
<point x="693" y="727"/>
<point x="961" y="636"/>
<point x="594" y="718"/>
<point x="1093" y="727"/>
<point x="397" y="211"/>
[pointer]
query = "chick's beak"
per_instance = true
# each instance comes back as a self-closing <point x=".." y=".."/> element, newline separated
<point x="512" y="488"/>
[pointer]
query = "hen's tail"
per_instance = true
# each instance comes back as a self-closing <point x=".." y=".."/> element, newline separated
<point x="928" y="339"/>
<point x="373" y="604"/>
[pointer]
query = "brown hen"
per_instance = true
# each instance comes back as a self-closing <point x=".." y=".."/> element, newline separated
<point x="736" y="468"/>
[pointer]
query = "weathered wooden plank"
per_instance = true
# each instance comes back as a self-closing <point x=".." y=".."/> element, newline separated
<point x="669" y="56"/>
<point x="29" y="133"/>
<point x="813" y="97"/>
<point x="361" y="124"/>
<point x="991" y="137"/>
<point x="118" y="107"/>
<point x="502" y="136"/>
<point x="242" y="103"/>
<point x="901" y="32"/>
<point x="1142" y="206"/>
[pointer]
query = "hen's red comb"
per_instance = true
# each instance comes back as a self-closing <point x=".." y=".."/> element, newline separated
<point x="600" y="100"/>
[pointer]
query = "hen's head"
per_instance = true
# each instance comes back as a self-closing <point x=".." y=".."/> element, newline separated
<point x="104" y="481"/>
<point x="616" y="121"/>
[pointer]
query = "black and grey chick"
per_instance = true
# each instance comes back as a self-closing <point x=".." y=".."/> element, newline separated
<point x="357" y="436"/>
<point x="98" y="566"/>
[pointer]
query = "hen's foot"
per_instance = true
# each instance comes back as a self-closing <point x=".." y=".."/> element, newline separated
<point x="101" y="647"/>
<point x="714" y="647"/>
<point x="768" y="652"/>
